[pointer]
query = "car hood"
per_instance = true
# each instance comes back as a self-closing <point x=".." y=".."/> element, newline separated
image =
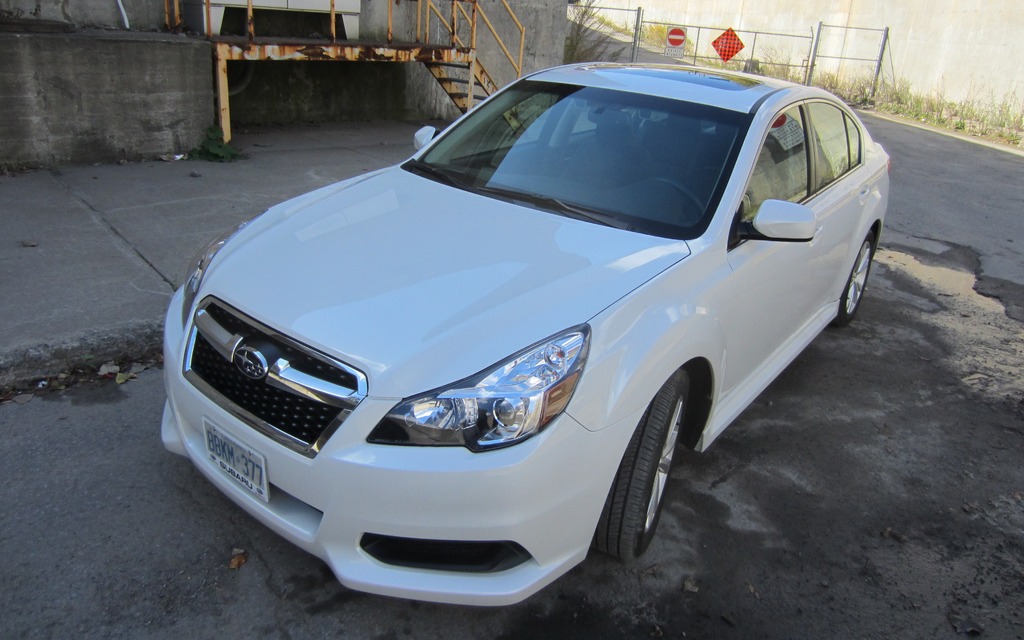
<point x="419" y="284"/>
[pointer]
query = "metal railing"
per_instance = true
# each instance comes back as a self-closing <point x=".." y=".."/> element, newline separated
<point x="452" y="26"/>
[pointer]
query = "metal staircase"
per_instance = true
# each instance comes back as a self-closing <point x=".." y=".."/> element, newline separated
<point x="445" y="42"/>
<point x="467" y="82"/>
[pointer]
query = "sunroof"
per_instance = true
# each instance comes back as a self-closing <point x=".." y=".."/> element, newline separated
<point x="701" y="77"/>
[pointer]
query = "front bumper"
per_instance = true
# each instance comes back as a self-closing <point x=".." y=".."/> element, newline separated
<point x="544" y="495"/>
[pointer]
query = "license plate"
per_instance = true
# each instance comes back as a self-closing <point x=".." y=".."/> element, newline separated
<point x="241" y="463"/>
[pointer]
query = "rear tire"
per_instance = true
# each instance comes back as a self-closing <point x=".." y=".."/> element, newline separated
<point x="853" y="292"/>
<point x="633" y="507"/>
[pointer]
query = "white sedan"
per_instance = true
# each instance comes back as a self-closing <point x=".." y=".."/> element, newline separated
<point x="452" y="378"/>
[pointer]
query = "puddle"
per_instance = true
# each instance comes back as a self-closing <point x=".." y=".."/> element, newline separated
<point x="987" y="347"/>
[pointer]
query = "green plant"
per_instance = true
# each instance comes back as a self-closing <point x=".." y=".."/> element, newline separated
<point x="214" y="149"/>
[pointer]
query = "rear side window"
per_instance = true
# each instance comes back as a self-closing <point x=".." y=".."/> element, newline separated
<point x="853" y="136"/>
<point x="831" y="142"/>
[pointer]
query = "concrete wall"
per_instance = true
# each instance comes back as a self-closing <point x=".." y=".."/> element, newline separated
<point x="958" y="48"/>
<point x="142" y="14"/>
<point x="105" y="96"/>
<point x="101" y="97"/>
<point x="545" y="25"/>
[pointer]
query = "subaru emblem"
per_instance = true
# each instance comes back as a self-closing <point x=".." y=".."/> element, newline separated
<point x="250" y="362"/>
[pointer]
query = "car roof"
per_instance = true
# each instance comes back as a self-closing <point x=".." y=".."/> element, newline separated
<point x="714" y="87"/>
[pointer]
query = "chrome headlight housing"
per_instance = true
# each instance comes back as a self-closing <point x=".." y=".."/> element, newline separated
<point x="197" y="269"/>
<point x="498" y="407"/>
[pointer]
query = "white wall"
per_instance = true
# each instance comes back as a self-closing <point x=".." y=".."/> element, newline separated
<point x="958" y="48"/>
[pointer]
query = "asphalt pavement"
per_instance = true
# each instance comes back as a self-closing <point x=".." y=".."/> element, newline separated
<point x="90" y="255"/>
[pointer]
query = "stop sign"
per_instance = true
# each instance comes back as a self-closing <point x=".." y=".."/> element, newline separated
<point x="676" y="37"/>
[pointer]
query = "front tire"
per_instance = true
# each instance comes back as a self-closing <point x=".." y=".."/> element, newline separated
<point x="633" y="507"/>
<point x="853" y="293"/>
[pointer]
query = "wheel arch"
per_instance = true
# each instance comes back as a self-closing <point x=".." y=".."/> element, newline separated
<point x="700" y="398"/>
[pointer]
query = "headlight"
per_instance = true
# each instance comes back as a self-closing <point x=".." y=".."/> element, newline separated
<point x="504" y="405"/>
<point x="197" y="269"/>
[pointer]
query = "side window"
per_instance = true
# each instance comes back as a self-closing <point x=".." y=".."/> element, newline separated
<point x="781" y="169"/>
<point x="853" y="135"/>
<point x="830" y="142"/>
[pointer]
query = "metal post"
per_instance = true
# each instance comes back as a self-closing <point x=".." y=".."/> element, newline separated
<point x="250" y="25"/>
<point x="471" y="84"/>
<point x="334" y="33"/>
<point x="813" y="56"/>
<point x="454" y="23"/>
<point x="878" y="63"/>
<point x="223" y="106"/>
<point x="637" y="32"/>
<point x="696" y="46"/>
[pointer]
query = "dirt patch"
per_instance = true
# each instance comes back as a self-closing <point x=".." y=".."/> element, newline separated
<point x="987" y="346"/>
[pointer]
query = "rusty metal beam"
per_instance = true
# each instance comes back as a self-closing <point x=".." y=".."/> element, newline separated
<point x="341" y="52"/>
<point x="223" y="106"/>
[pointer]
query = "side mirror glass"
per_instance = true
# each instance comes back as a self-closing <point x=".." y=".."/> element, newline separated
<point x="781" y="220"/>
<point x="423" y="136"/>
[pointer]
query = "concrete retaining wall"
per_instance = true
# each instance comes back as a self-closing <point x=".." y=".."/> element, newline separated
<point x="101" y="97"/>
<point x="960" y="49"/>
<point x="141" y="14"/>
<point x="105" y="96"/>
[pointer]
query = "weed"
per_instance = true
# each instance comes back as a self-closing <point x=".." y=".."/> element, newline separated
<point x="214" y="149"/>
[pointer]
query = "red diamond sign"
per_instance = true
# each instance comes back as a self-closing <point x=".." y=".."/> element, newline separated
<point x="727" y="45"/>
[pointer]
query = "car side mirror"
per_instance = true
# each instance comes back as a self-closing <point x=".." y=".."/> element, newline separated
<point x="781" y="221"/>
<point x="423" y="136"/>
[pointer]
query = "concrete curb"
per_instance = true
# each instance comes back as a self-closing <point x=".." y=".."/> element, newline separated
<point x="93" y="348"/>
<point x="942" y="131"/>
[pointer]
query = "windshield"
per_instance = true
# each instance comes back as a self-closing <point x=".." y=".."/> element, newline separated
<point x="628" y="160"/>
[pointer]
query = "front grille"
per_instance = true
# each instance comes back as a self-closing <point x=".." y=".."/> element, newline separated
<point x="297" y="357"/>
<point x="301" y="418"/>
<point x="298" y="421"/>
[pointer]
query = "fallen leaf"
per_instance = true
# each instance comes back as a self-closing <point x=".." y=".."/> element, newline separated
<point x="137" y="368"/>
<point x="690" y="585"/>
<point x="28" y="244"/>
<point x="22" y="398"/>
<point x="238" y="558"/>
<point x="108" y="369"/>
<point x="123" y="377"/>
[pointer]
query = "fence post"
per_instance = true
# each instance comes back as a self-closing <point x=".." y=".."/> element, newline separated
<point x="637" y="30"/>
<point x="878" y="63"/>
<point x="814" y="55"/>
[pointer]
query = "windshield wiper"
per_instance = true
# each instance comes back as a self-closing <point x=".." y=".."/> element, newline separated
<point x="555" y="205"/>
<point x="450" y="178"/>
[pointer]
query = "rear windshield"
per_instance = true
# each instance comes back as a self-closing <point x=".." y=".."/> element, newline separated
<point x="633" y="161"/>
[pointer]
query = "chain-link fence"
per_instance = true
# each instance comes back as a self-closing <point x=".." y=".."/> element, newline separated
<point x="779" y="55"/>
<point x="847" y="60"/>
<point x="606" y="34"/>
